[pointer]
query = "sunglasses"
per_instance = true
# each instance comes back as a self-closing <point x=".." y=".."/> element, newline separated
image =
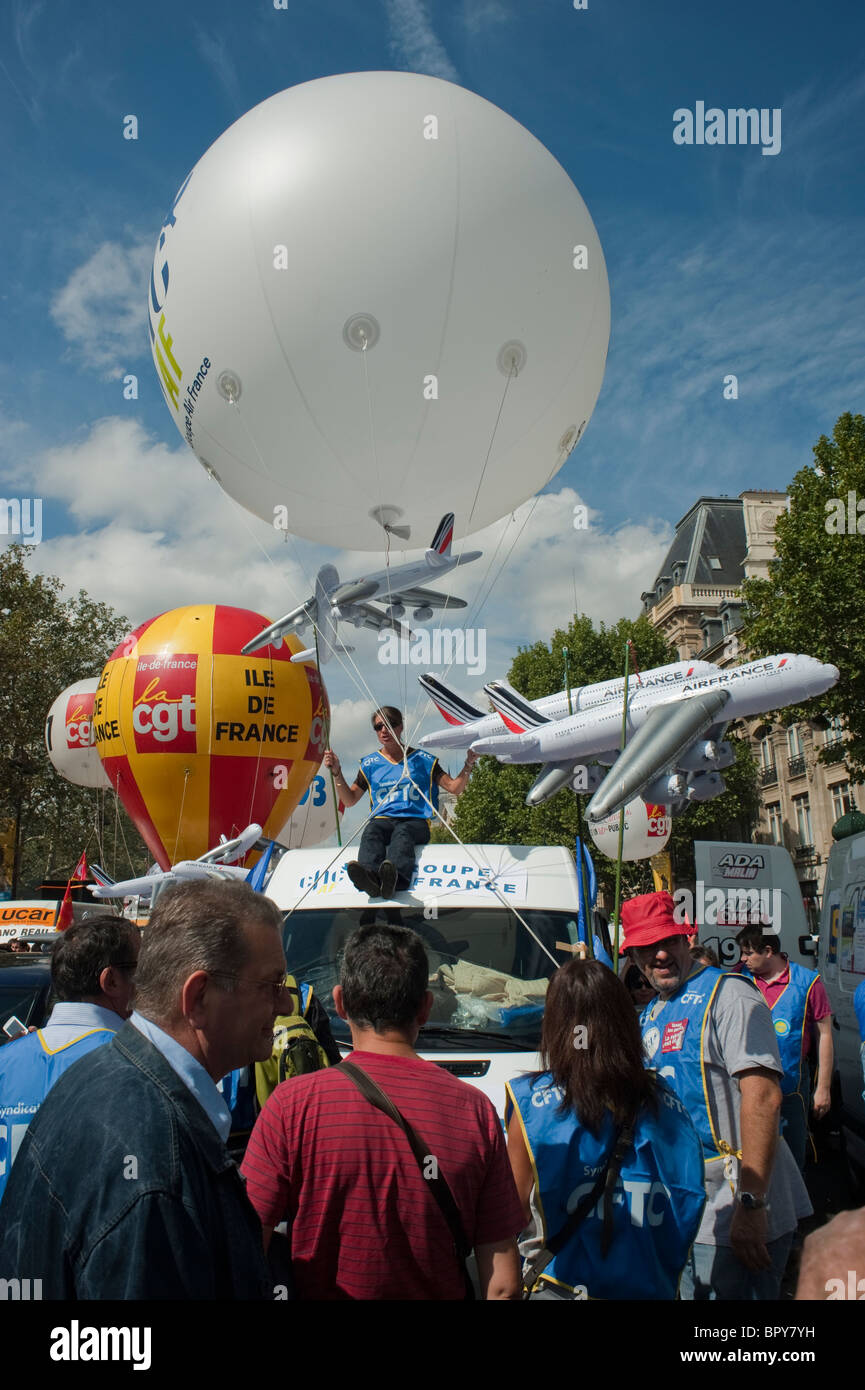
<point x="378" y="727"/>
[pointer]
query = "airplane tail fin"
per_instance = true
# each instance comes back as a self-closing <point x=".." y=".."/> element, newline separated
<point x="516" y="713"/>
<point x="103" y="879"/>
<point x="441" y="541"/>
<point x="449" y="704"/>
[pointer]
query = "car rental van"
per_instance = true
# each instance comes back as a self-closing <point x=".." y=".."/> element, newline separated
<point x="496" y="920"/>
<point x="841" y="962"/>
<point x="741" y="884"/>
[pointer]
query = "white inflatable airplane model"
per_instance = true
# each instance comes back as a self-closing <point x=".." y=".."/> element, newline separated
<point x="675" y="749"/>
<point x="352" y="602"/>
<point x="216" y="863"/>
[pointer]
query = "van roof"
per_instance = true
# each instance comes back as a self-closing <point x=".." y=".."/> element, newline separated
<point x="531" y="876"/>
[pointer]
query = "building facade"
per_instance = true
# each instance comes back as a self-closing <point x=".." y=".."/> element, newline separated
<point x="696" y="602"/>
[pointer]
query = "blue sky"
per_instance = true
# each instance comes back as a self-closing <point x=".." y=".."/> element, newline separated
<point x="721" y="260"/>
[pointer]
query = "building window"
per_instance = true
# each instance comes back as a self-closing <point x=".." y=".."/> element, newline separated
<point x="802" y="814"/>
<point x="842" y="799"/>
<point x="776" y="832"/>
<point x="794" y="742"/>
<point x="767" y="753"/>
<point x="714" y="562"/>
<point x="835" y="731"/>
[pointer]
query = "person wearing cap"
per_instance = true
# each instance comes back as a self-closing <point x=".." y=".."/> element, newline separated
<point x="710" y="1036"/>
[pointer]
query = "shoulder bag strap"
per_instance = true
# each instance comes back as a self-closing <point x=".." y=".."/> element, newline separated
<point x="437" y="1184"/>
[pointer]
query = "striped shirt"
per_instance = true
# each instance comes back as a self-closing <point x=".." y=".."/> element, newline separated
<point x="364" y="1224"/>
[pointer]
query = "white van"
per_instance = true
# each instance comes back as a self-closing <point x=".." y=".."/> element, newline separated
<point x="739" y="885"/>
<point x="496" y="920"/>
<point x="841" y="962"/>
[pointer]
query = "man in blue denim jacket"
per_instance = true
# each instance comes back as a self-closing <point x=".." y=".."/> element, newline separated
<point x="123" y="1187"/>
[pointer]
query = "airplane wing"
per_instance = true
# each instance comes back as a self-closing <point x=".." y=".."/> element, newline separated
<point x="377" y="620"/>
<point x="428" y="598"/>
<point x="295" y="621"/>
<point x="669" y="729"/>
<point x="229" y="850"/>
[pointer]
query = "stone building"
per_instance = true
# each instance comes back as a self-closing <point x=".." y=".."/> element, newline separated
<point x="695" y="601"/>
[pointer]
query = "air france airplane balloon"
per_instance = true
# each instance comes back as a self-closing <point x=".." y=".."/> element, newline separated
<point x="675" y="750"/>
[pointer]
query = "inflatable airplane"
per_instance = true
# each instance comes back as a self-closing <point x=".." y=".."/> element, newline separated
<point x="216" y="863"/>
<point x="351" y="602"/>
<point x="676" y="749"/>
<point x="467" y="723"/>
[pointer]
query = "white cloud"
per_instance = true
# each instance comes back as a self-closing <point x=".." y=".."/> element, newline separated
<point x="218" y="58"/>
<point x="479" y="15"/>
<point x="413" y="40"/>
<point x="101" y="308"/>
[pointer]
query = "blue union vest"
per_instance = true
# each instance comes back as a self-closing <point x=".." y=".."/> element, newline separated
<point x="788" y="1017"/>
<point x="658" y="1200"/>
<point x="393" y="793"/>
<point x="673" y="1041"/>
<point x="28" y="1070"/>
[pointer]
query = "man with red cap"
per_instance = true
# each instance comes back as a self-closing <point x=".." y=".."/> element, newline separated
<point x="711" y="1036"/>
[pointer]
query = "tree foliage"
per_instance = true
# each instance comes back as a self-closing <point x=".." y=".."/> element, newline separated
<point x="492" y="809"/>
<point x="814" y="598"/>
<point x="46" y="643"/>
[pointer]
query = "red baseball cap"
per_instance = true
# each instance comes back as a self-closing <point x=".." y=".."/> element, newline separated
<point x="650" y="918"/>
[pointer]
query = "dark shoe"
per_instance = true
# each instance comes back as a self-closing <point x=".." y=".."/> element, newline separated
<point x="363" y="880"/>
<point x="388" y="875"/>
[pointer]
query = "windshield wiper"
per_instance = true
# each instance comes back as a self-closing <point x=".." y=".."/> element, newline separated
<point x="467" y="1037"/>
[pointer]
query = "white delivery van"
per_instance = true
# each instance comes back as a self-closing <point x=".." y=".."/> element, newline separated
<point x="841" y="962"/>
<point x="496" y="920"/>
<point x="741" y="884"/>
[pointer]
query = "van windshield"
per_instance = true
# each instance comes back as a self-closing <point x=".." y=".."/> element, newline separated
<point x="488" y="975"/>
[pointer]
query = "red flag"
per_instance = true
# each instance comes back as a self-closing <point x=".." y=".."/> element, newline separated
<point x="64" y="915"/>
<point x="64" y="918"/>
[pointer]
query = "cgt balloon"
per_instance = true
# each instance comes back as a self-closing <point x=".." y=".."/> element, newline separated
<point x="198" y="740"/>
<point x="69" y="736"/>
<point x="375" y="298"/>
<point x="647" y="829"/>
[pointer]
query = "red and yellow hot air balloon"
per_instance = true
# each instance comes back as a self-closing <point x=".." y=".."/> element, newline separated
<point x="199" y="741"/>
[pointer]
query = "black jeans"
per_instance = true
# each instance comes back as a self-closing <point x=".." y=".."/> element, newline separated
<point x="394" y="838"/>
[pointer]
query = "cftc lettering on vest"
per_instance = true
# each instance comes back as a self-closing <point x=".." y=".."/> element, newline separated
<point x="76" y="1343"/>
<point x="739" y="126"/>
<point x="733" y="907"/>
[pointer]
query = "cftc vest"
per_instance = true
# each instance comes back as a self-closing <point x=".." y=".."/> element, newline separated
<point x="28" y="1070"/>
<point x="397" y="791"/>
<point x="673" y="1041"/>
<point x="788" y="1017"/>
<point x="658" y="1199"/>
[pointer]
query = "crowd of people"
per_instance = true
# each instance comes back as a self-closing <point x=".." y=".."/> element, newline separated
<point x="646" y="1159"/>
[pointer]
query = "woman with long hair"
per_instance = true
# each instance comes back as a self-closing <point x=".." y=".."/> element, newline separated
<point x="606" y="1160"/>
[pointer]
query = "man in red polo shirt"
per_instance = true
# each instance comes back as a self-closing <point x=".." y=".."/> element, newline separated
<point x="800" y="1010"/>
<point x="364" y="1221"/>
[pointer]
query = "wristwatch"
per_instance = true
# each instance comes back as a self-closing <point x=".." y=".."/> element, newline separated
<point x="752" y="1203"/>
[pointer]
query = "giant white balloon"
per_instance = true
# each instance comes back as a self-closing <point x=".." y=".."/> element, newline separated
<point x="69" y="736"/>
<point x="647" y="830"/>
<point x="315" y="816"/>
<point x="378" y="298"/>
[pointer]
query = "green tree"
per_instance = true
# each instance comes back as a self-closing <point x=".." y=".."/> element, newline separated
<point x="814" y="598"/>
<point x="492" y="809"/>
<point x="46" y="643"/>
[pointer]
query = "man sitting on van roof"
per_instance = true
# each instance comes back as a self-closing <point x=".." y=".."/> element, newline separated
<point x="92" y="979"/>
<point x="365" y="1223"/>
<point x="800" y="1009"/>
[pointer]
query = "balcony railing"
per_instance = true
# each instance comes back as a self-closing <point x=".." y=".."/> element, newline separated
<point x="835" y="752"/>
<point x="768" y="775"/>
<point x="796" y="766"/>
<point x="805" y="854"/>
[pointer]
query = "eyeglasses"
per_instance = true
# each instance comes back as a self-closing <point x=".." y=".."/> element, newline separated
<point x="378" y="727"/>
<point x="279" y="987"/>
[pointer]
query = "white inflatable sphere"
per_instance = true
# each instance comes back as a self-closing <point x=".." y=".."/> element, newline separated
<point x="69" y="736"/>
<point x="353" y="284"/>
<point x="314" y="817"/>
<point x="647" y="830"/>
